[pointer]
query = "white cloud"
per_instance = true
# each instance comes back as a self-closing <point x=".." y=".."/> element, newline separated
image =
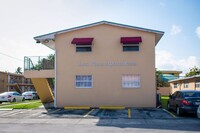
<point x="198" y="31"/>
<point x="166" y="61"/>
<point x="175" y="30"/>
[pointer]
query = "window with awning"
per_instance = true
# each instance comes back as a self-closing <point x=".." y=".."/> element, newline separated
<point x="131" y="43"/>
<point x="82" y="41"/>
<point x="83" y="44"/>
<point x="131" y="40"/>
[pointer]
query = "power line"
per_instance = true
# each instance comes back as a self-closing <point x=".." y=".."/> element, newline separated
<point x="11" y="57"/>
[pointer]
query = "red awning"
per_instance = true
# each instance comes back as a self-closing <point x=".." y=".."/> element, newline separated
<point x="82" y="41"/>
<point x="131" y="40"/>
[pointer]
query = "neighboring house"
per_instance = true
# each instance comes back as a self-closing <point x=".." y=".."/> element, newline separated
<point x="187" y="83"/>
<point x="99" y="64"/>
<point x="171" y="72"/>
<point x="14" y="82"/>
<point x="167" y="75"/>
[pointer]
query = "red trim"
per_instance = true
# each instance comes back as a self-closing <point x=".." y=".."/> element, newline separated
<point x="131" y="40"/>
<point x="82" y="41"/>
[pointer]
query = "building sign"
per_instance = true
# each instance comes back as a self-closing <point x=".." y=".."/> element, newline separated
<point x="106" y="64"/>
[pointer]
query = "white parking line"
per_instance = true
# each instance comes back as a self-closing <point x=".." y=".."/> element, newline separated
<point x="16" y="113"/>
<point x="35" y="114"/>
<point x="42" y="115"/>
<point x="21" y="112"/>
<point x="10" y="113"/>
<point x="86" y="115"/>
<point x="170" y="113"/>
<point x="57" y="110"/>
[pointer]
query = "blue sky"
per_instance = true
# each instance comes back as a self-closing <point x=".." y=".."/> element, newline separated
<point x="21" y="20"/>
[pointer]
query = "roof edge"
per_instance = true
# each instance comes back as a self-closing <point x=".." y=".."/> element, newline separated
<point x="52" y="34"/>
<point x="195" y="76"/>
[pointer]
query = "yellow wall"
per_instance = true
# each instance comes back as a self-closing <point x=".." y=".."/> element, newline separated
<point x="43" y="89"/>
<point x="107" y="81"/>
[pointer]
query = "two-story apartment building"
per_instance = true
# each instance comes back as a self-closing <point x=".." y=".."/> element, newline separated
<point x="15" y="82"/>
<point x="99" y="64"/>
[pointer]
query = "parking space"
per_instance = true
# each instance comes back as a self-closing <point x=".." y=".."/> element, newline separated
<point x="151" y="113"/>
<point x="91" y="120"/>
<point x="133" y="113"/>
<point x="90" y="113"/>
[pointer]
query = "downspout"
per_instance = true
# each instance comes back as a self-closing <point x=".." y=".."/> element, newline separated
<point x="55" y="80"/>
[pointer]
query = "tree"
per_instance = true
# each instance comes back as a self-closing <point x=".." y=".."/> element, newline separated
<point x="51" y="57"/>
<point x="193" y="71"/>
<point x="159" y="81"/>
<point x="19" y="70"/>
<point x="38" y="66"/>
<point x="45" y="63"/>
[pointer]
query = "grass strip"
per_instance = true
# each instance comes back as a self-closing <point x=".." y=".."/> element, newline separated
<point x="12" y="103"/>
<point x="28" y="105"/>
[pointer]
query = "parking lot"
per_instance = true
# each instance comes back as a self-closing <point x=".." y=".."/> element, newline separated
<point x="133" y="113"/>
<point x="94" y="120"/>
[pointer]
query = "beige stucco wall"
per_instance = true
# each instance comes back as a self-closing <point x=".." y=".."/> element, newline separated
<point x="107" y="81"/>
<point x="181" y="85"/>
<point x="164" y="91"/>
<point x="39" y="74"/>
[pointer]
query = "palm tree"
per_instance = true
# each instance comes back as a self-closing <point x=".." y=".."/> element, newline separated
<point x="19" y="70"/>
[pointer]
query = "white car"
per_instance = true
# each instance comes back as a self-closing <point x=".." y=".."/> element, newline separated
<point x="198" y="112"/>
<point x="11" y="96"/>
<point x="30" y="95"/>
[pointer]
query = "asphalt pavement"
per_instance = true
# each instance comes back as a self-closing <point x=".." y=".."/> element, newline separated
<point x="94" y="120"/>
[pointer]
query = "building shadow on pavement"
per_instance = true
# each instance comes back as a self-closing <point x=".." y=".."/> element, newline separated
<point x="145" y="119"/>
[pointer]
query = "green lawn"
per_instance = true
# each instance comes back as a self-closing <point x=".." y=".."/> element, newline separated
<point x="23" y="105"/>
<point x="164" y="100"/>
<point x="12" y="103"/>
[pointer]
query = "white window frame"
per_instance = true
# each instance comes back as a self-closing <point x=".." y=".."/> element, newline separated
<point x="84" y="81"/>
<point x="175" y="85"/>
<point x="197" y="84"/>
<point x="131" y="80"/>
<point x="186" y="85"/>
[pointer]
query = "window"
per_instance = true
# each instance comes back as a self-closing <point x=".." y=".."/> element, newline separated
<point x="16" y="94"/>
<point x="83" y="48"/>
<point x="131" y="47"/>
<point x="197" y="84"/>
<point x="83" y="81"/>
<point x="175" y="85"/>
<point x="186" y="85"/>
<point x="131" y="81"/>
